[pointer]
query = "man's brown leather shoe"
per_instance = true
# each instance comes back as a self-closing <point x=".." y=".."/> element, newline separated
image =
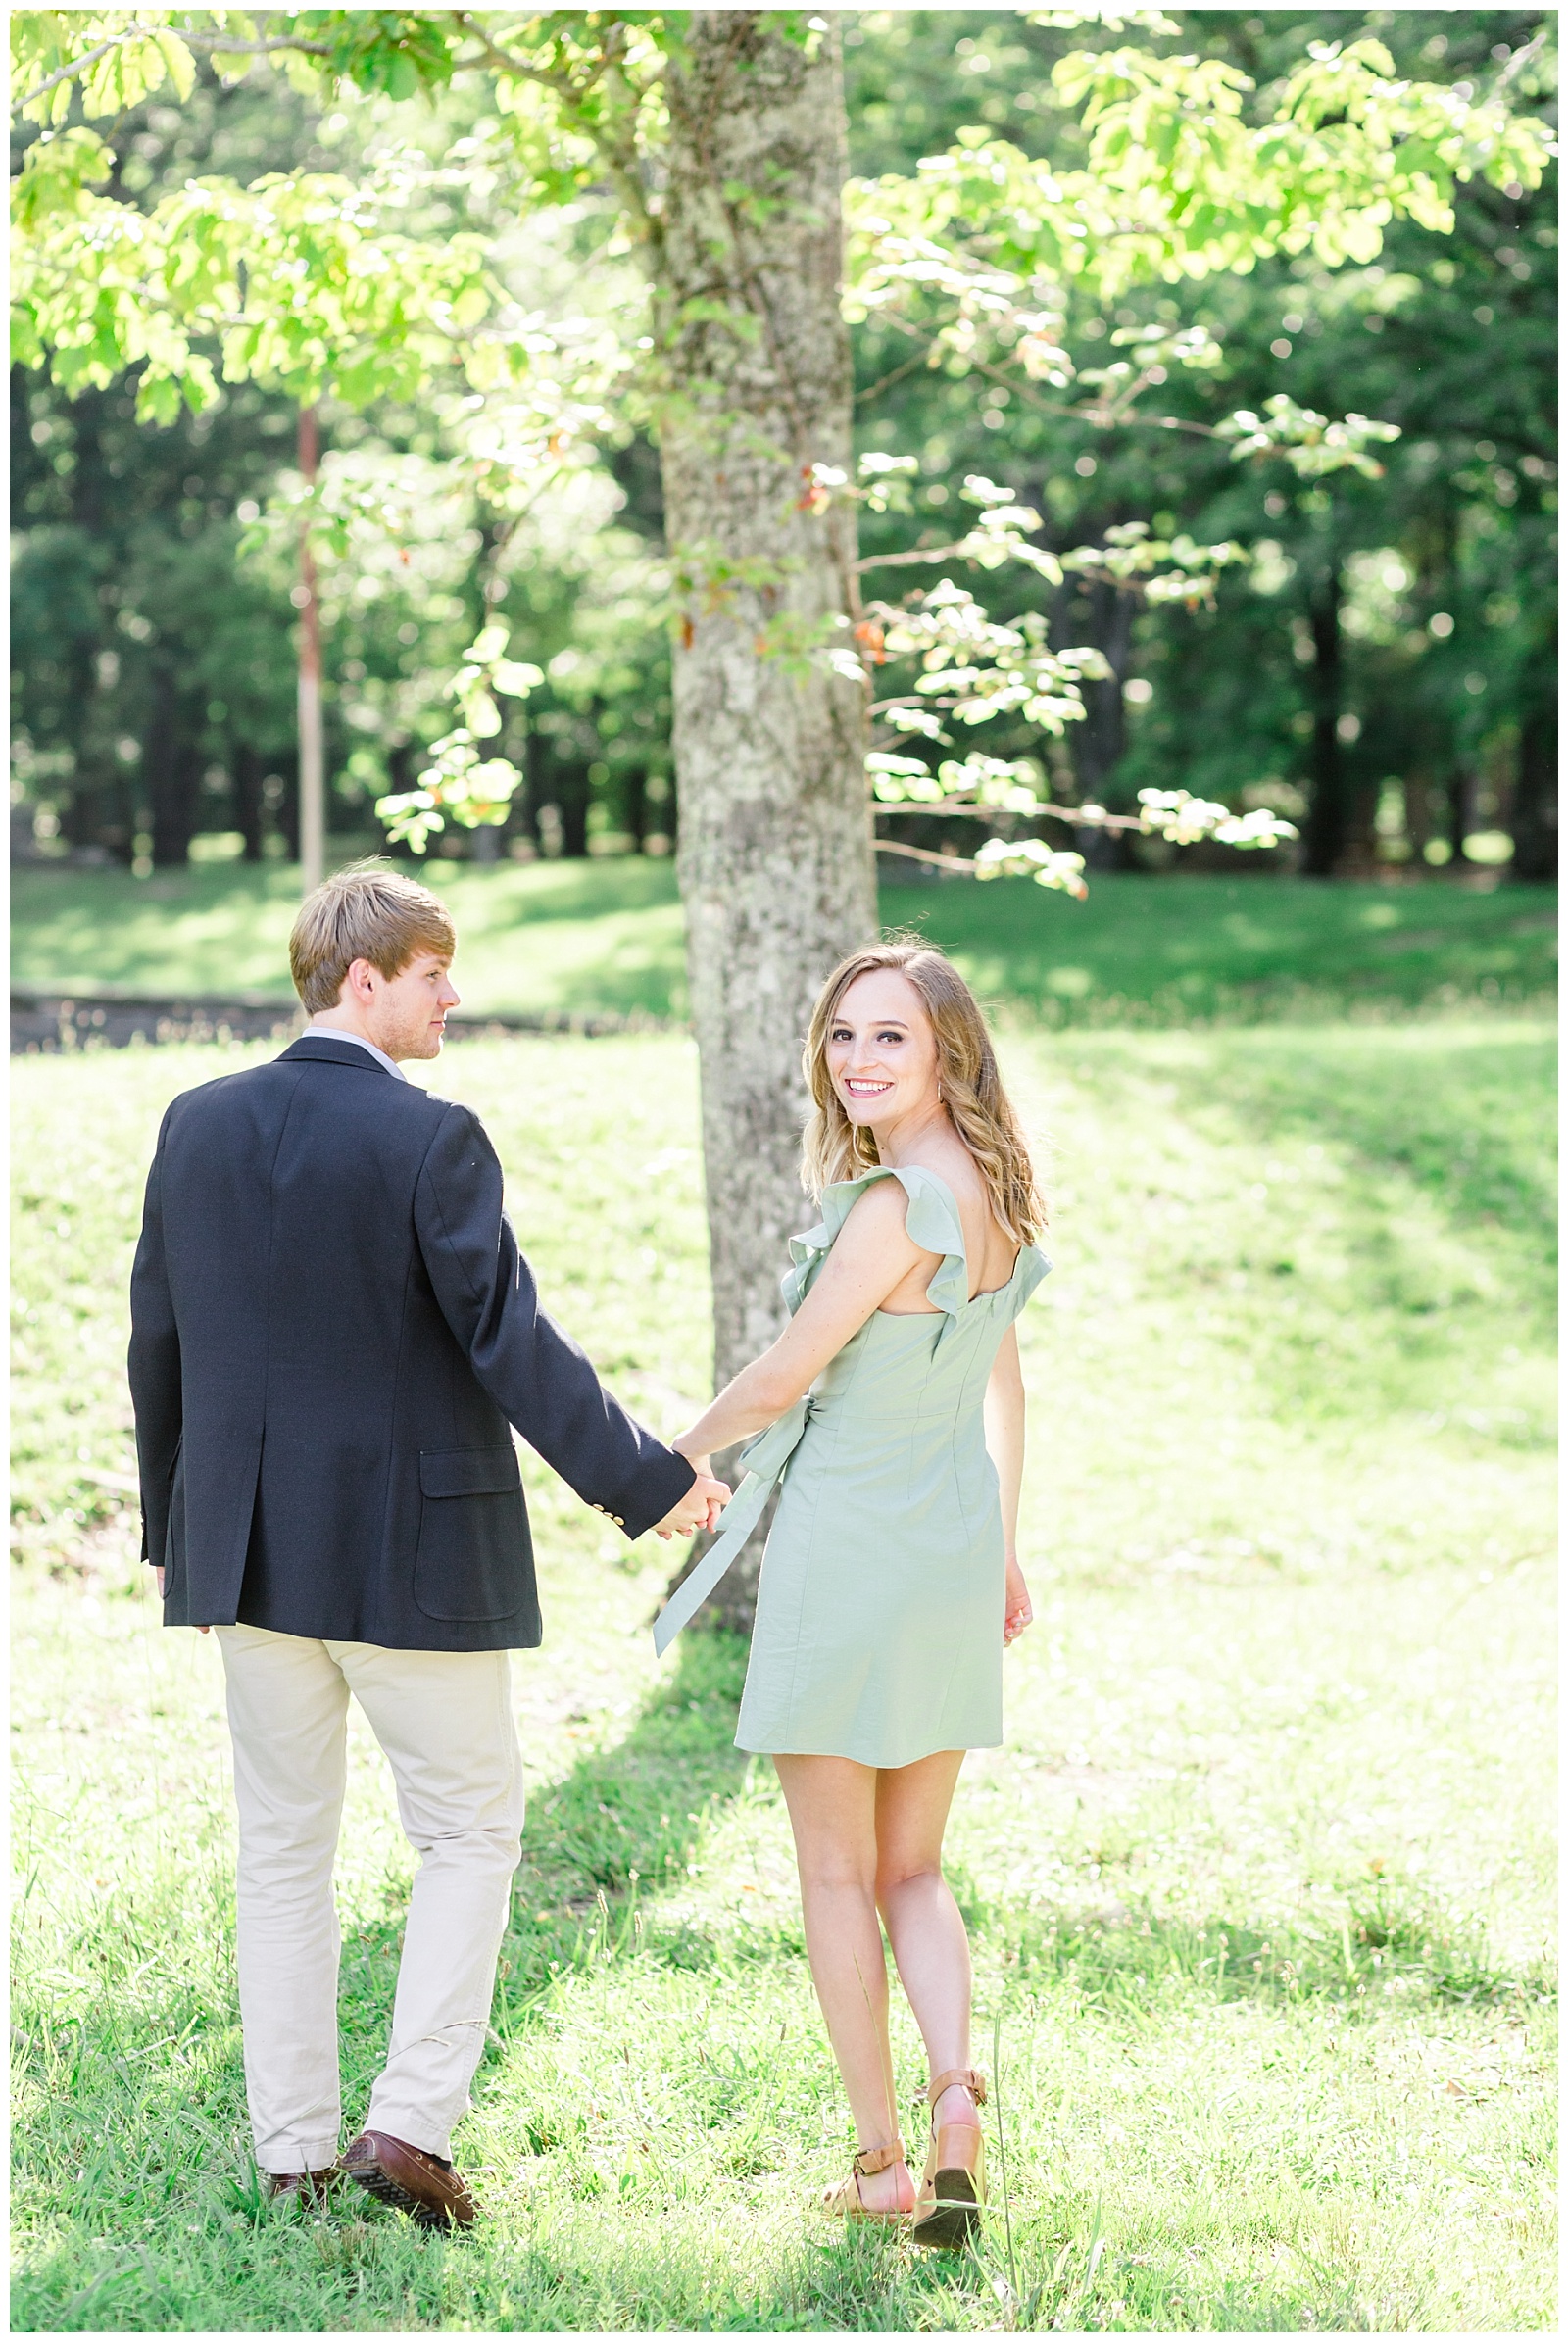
<point x="428" y="2189"/>
<point x="310" y="2186"/>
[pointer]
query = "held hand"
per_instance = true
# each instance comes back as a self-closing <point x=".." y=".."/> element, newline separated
<point x="1019" y="1612"/>
<point x="699" y="1508"/>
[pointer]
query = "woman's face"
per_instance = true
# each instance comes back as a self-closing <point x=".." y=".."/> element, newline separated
<point x="881" y="1051"/>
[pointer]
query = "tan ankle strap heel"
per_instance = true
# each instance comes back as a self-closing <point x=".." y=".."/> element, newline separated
<point x="953" y="2188"/>
<point x="961" y="2077"/>
<point x="844" y="2202"/>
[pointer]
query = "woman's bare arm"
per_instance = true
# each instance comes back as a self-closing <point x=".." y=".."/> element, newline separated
<point x="872" y="1256"/>
<point x="1004" y="1406"/>
<point x="1005" y="1420"/>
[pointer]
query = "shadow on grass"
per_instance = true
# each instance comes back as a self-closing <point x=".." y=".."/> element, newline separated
<point x="620" y="1825"/>
<point x="624" y="1822"/>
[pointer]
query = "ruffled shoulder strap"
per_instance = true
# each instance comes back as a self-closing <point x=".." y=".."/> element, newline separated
<point x="1032" y="1270"/>
<point x="931" y="1217"/>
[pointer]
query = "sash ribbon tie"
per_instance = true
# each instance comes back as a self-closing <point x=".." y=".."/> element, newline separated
<point x="765" y="1459"/>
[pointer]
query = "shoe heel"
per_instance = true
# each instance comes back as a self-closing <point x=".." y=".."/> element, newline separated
<point x="955" y="2216"/>
<point x="957" y="2190"/>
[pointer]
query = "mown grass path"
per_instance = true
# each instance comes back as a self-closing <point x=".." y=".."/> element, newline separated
<point x="1260" y="1885"/>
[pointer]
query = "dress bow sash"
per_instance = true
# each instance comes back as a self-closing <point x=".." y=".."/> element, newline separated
<point x="764" y="1458"/>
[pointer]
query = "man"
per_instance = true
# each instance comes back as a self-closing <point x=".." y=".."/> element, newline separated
<point x="332" y="1331"/>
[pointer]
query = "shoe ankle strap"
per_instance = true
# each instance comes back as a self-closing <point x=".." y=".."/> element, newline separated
<point x="961" y="2077"/>
<point x="872" y="2160"/>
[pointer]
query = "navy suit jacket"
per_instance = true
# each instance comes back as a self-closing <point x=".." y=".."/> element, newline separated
<point x="332" y="1331"/>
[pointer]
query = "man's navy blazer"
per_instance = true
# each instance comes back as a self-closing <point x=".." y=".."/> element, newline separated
<point x="332" y="1331"/>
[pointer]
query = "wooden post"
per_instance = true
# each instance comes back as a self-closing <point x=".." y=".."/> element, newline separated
<point x="313" y="788"/>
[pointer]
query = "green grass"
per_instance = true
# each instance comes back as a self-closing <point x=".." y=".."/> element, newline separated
<point x="1260" y="1887"/>
<point x="598" y="938"/>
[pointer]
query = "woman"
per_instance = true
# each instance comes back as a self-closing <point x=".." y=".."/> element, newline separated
<point x="891" y="1580"/>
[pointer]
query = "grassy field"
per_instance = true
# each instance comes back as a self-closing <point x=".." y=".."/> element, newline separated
<point x="1260" y="1887"/>
<point x="598" y="938"/>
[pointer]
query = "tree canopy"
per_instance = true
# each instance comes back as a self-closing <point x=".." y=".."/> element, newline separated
<point x="1065" y="273"/>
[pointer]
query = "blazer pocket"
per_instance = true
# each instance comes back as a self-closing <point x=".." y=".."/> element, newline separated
<point x="473" y="1548"/>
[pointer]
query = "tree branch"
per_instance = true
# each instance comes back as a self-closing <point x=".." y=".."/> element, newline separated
<point x="923" y="853"/>
<point x="619" y="157"/>
<point x="193" y="40"/>
<point x="80" y="65"/>
<point x="1099" y="417"/>
<point x="906" y="560"/>
<point x="897" y="375"/>
<point x="1075" y="817"/>
<point x="254" y="48"/>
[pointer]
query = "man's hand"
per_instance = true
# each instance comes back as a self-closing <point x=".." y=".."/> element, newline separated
<point x="159" y="1575"/>
<point x="699" y="1508"/>
<point x="1019" y="1612"/>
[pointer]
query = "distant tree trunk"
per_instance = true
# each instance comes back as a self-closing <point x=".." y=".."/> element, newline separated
<point x="775" y="837"/>
<point x="1418" y="811"/>
<point x="288" y="806"/>
<point x="171" y="767"/>
<point x="572" y="796"/>
<point x="1326" y="825"/>
<point x="1461" y="808"/>
<point x="248" y="799"/>
<point x="1535" y="807"/>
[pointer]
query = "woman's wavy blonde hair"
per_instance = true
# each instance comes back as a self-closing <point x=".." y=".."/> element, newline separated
<point x="834" y="1147"/>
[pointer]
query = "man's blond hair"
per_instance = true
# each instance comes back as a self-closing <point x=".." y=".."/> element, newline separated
<point x="366" y="912"/>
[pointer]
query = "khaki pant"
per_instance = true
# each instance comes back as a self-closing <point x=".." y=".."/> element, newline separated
<point x="444" y="1722"/>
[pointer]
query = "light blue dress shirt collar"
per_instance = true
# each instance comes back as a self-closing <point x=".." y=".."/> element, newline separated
<point x="337" y="1033"/>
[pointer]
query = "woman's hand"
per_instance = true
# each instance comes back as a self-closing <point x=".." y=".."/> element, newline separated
<point x="1020" y="1611"/>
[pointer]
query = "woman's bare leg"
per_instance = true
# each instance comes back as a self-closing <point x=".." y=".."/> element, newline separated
<point x="921" y="1918"/>
<point x="833" y="1805"/>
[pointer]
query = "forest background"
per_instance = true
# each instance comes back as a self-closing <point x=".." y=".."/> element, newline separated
<point x="1386" y="642"/>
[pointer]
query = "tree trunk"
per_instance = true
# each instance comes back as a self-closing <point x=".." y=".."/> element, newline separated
<point x="1461" y="817"/>
<point x="573" y="793"/>
<point x="171" y="771"/>
<point x="248" y="799"/>
<point x="1326" y="824"/>
<point x="775" y="837"/>
<point x="1535" y="807"/>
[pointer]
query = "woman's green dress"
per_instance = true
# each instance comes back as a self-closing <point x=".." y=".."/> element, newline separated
<point x="879" y="1615"/>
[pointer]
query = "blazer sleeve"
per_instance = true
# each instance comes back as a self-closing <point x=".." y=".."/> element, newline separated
<point x="538" y="1377"/>
<point x="153" y="1366"/>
